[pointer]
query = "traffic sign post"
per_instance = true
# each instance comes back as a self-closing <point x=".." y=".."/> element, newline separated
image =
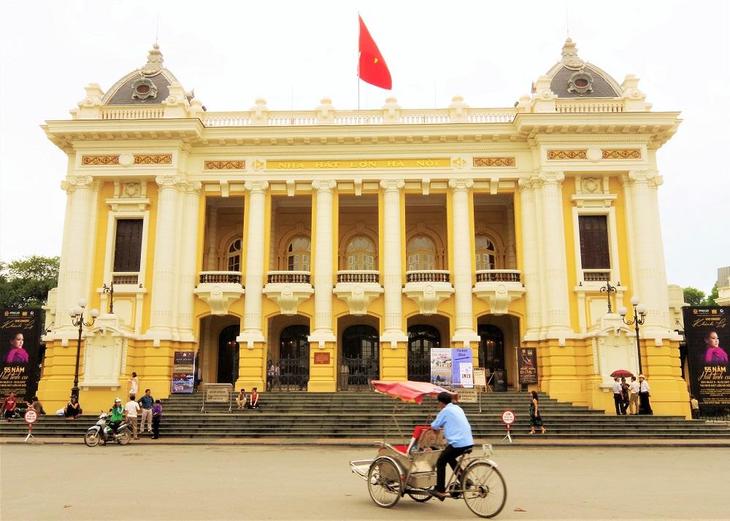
<point x="508" y="418"/>
<point x="30" y="418"/>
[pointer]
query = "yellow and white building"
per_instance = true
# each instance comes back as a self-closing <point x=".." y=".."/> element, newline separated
<point x="342" y="245"/>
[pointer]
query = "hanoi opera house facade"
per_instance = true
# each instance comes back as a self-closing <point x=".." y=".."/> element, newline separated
<point x="343" y="245"/>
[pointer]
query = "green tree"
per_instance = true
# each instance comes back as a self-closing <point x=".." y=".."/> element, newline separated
<point x="693" y="296"/>
<point x="26" y="282"/>
<point x="710" y="299"/>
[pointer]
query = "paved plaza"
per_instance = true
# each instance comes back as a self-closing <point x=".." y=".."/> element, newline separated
<point x="60" y="482"/>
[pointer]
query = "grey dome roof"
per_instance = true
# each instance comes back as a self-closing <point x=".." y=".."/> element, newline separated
<point x="147" y="85"/>
<point x="571" y="77"/>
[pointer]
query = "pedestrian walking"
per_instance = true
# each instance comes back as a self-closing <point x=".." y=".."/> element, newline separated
<point x="147" y="401"/>
<point x="644" y="403"/>
<point x="131" y="410"/>
<point x="535" y="414"/>
<point x="633" y="396"/>
<point x="156" y="418"/>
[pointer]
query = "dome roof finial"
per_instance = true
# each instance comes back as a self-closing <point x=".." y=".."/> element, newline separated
<point x="570" y="56"/>
<point x="154" y="61"/>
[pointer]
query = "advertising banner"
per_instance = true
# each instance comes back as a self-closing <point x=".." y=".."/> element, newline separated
<point x="441" y="366"/>
<point x="183" y="372"/>
<point x="707" y="335"/>
<point x="527" y="365"/>
<point x="460" y="363"/>
<point x="20" y="333"/>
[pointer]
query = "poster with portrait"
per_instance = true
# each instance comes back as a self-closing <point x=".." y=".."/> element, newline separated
<point x="20" y="334"/>
<point x="183" y="372"/>
<point x="527" y="365"/>
<point x="441" y="366"/>
<point x="707" y="335"/>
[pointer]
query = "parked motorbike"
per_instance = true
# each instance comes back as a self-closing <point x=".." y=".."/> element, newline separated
<point x="102" y="432"/>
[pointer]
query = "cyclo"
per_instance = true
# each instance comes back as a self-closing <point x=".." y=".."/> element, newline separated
<point x="400" y="470"/>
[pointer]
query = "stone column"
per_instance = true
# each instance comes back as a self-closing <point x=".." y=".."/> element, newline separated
<point x="188" y="261"/>
<point x="392" y="262"/>
<point x="555" y="272"/>
<point x="530" y="265"/>
<point x="74" y="271"/>
<point x="165" y="265"/>
<point x="462" y="269"/>
<point x="649" y="269"/>
<point x="252" y="317"/>
<point x="323" y="264"/>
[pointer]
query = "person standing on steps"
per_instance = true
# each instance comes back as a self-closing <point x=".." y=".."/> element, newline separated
<point x="644" y="404"/>
<point x="535" y="415"/>
<point x="147" y="401"/>
<point x="633" y="396"/>
<point x="156" y="418"/>
<point x="617" y="397"/>
<point x="134" y="384"/>
<point x="131" y="409"/>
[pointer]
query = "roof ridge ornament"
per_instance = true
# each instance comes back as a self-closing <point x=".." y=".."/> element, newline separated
<point x="570" y="56"/>
<point x="154" y="61"/>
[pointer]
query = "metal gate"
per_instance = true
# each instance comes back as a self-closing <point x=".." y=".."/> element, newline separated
<point x="293" y="359"/>
<point x="360" y="357"/>
<point x="421" y="338"/>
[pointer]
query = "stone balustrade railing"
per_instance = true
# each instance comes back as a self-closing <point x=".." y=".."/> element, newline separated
<point x="288" y="277"/>
<point x="427" y="276"/>
<point x="358" y="276"/>
<point x="220" y="277"/>
<point x="498" y="275"/>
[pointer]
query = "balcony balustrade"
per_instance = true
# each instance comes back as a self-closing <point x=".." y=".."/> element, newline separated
<point x="596" y="275"/>
<point x="428" y="288"/>
<point x="121" y="278"/>
<point x="209" y="277"/>
<point x="498" y="288"/>
<point x="288" y="289"/>
<point x="427" y="276"/>
<point x="219" y="289"/>
<point x="498" y="276"/>
<point x="358" y="288"/>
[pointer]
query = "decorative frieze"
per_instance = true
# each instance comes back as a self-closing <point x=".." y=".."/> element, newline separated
<point x="153" y="159"/>
<point x="621" y="153"/>
<point x="494" y="162"/>
<point x="100" y="160"/>
<point x="557" y="155"/>
<point x="357" y="164"/>
<point x="234" y="164"/>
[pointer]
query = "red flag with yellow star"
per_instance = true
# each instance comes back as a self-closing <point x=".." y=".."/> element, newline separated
<point x="372" y="67"/>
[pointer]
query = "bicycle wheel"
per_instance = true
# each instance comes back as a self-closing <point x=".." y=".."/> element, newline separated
<point x="124" y="436"/>
<point x="384" y="482"/>
<point x="420" y="497"/>
<point x="91" y="438"/>
<point x="485" y="491"/>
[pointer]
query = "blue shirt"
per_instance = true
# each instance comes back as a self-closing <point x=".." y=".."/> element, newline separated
<point x="457" y="430"/>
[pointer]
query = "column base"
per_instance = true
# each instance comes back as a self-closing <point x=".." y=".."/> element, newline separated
<point x="323" y="365"/>
<point x="251" y="364"/>
<point x="394" y="361"/>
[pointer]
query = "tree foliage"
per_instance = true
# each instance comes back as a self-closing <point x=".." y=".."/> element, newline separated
<point x="26" y="282"/>
<point x="696" y="297"/>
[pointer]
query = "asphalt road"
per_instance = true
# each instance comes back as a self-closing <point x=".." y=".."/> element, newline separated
<point x="140" y="482"/>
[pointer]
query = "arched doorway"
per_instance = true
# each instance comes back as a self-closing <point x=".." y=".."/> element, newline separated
<point x="421" y="339"/>
<point x="294" y="357"/>
<point x="228" y="355"/>
<point x="491" y="354"/>
<point x="360" y="356"/>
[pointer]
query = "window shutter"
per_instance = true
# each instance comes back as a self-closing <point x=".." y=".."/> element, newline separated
<point x="593" y="231"/>
<point x="128" y="245"/>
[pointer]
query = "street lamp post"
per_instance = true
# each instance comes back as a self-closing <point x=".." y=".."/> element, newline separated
<point x="608" y="289"/>
<point x="638" y="320"/>
<point x="77" y="319"/>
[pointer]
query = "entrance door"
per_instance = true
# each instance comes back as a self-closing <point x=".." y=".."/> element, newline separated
<point x="360" y="357"/>
<point x="228" y="355"/>
<point x="421" y="338"/>
<point x="294" y="357"/>
<point x="491" y="354"/>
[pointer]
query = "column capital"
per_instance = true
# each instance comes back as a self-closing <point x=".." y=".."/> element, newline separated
<point x="551" y="177"/>
<point x="72" y="182"/>
<point x="173" y="182"/>
<point x="392" y="185"/>
<point x="322" y="185"/>
<point x="460" y="185"/>
<point x="192" y="187"/>
<point x="648" y="177"/>
<point x="256" y="186"/>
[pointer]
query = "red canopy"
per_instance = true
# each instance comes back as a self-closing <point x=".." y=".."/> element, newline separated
<point x="407" y="390"/>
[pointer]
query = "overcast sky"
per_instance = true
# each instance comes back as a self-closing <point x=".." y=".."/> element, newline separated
<point x="295" y="53"/>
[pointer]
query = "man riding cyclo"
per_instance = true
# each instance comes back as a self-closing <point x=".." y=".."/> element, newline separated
<point x="457" y="431"/>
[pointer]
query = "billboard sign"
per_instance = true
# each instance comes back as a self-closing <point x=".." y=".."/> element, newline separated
<point x="20" y="335"/>
<point x="707" y="334"/>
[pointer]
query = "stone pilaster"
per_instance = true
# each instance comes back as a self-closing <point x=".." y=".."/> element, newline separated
<point x="256" y="233"/>
<point x="392" y="262"/>
<point x="530" y="255"/>
<point x="464" y="324"/>
<point x="323" y="269"/>
<point x="188" y="257"/>
<point x="164" y="276"/>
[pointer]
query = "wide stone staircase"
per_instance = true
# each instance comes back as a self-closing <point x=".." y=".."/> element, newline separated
<point x="367" y="415"/>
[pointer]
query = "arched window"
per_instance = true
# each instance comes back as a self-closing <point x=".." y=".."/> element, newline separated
<point x="421" y="253"/>
<point x="233" y="255"/>
<point x="297" y="254"/>
<point x="360" y="254"/>
<point x="486" y="253"/>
